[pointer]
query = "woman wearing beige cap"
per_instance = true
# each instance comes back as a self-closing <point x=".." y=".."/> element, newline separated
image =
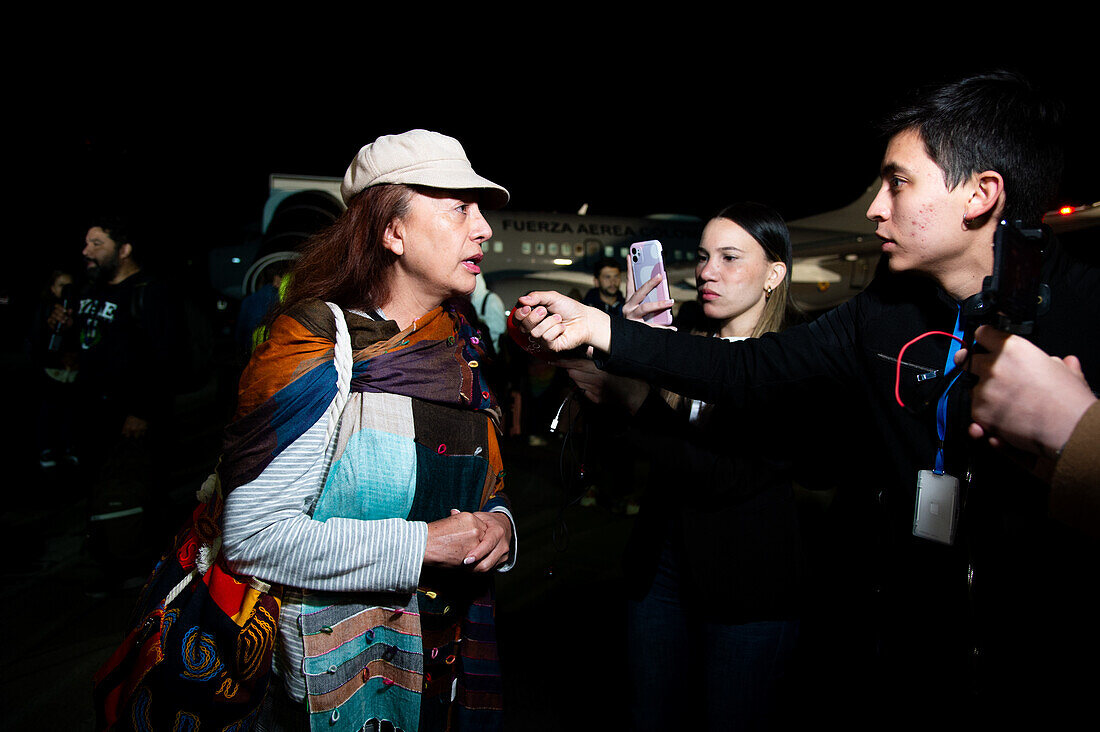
<point x="362" y="469"/>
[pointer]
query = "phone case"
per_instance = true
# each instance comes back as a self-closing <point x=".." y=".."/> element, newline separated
<point x="647" y="260"/>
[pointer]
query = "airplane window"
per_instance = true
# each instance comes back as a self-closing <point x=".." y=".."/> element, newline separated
<point x="525" y="247"/>
<point x="677" y="254"/>
<point x="622" y="252"/>
<point x="609" y="251"/>
<point x="579" y="249"/>
<point x="540" y="248"/>
<point x="498" y="246"/>
<point x="553" y="248"/>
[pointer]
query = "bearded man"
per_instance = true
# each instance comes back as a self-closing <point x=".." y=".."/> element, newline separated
<point x="121" y="329"/>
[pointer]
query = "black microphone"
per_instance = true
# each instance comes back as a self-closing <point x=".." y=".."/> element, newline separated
<point x="66" y="303"/>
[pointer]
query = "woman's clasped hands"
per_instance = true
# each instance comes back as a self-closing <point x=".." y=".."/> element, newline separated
<point x="480" y="540"/>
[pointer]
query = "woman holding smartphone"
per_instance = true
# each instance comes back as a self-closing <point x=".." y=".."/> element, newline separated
<point x="714" y="562"/>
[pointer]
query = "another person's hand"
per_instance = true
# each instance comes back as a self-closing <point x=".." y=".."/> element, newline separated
<point x="1024" y="397"/>
<point x="134" y="427"/>
<point x="601" y="387"/>
<point x="495" y="546"/>
<point x="635" y="309"/>
<point x="561" y="323"/>
<point x="451" y="540"/>
<point x="59" y="316"/>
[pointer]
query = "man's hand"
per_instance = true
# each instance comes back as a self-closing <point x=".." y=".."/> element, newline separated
<point x="601" y="387"/>
<point x="134" y="427"/>
<point x="562" y="323"/>
<point x="1024" y="397"/>
<point x="59" y="316"/>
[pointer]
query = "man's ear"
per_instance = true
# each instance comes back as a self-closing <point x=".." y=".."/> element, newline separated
<point x="125" y="250"/>
<point x="393" y="238"/>
<point x="988" y="196"/>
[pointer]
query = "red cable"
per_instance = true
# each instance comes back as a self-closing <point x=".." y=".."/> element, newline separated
<point x="897" y="377"/>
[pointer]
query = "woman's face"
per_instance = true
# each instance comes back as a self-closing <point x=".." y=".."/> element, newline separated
<point x="731" y="275"/>
<point x="439" y="244"/>
<point x="60" y="283"/>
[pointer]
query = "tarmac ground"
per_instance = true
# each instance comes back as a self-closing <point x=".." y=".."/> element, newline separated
<point x="559" y="609"/>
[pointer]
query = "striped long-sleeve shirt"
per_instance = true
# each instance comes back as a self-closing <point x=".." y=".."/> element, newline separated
<point x="269" y="533"/>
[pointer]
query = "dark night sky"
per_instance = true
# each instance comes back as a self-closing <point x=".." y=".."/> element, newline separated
<point x="191" y="145"/>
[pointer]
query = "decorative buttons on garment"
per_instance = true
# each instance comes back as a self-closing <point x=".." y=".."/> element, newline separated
<point x="475" y="340"/>
<point x="450" y="340"/>
<point x="332" y="669"/>
<point x="442" y="448"/>
<point x="473" y="364"/>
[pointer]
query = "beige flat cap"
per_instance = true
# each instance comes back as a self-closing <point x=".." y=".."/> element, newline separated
<point x="420" y="158"/>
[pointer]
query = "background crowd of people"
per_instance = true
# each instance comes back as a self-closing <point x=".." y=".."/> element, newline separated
<point x="734" y="608"/>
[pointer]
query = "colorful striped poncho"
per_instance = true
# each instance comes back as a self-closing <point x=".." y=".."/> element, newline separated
<point x="416" y="438"/>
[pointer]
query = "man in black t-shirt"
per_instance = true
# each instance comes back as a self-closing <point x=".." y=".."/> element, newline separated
<point x="120" y="328"/>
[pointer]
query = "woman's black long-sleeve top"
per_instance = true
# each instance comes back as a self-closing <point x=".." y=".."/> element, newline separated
<point x="720" y="494"/>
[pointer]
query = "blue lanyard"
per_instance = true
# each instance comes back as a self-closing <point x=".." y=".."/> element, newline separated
<point x="941" y="407"/>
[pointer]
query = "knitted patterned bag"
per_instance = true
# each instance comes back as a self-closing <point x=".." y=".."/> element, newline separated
<point x="200" y="642"/>
<point x="199" y="650"/>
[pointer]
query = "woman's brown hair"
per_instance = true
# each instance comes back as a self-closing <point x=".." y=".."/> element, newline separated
<point x="346" y="263"/>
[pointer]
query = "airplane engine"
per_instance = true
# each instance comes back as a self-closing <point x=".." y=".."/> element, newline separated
<point x="294" y="219"/>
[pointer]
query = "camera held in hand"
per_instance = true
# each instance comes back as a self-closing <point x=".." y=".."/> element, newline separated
<point x="1012" y="297"/>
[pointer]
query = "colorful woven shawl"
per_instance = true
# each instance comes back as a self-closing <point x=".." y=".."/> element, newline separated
<point x="291" y="378"/>
<point x="385" y="656"/>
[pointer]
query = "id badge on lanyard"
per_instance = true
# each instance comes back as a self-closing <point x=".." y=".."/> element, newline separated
<point x="936" y="513"/>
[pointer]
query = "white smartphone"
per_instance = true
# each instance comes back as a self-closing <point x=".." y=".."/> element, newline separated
<point x="647" y="260"/>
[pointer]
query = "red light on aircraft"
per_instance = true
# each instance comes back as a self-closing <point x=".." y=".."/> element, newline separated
<point x="1066" y="210"/>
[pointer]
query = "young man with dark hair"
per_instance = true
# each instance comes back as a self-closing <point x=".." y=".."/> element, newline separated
<point x="985" y="622"/>
<point x="607" y="276"/>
